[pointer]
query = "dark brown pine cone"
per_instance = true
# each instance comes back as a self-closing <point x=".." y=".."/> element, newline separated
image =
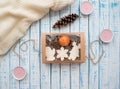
<point x="65" y="20"/>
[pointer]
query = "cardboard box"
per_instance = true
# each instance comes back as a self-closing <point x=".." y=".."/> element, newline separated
<point x="82" y="48"/>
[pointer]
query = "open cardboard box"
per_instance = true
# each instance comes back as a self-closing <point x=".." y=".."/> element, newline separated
<point x="82" y="48"/>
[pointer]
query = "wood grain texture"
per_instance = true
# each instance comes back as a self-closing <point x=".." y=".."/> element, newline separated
<point x="94" y="35"/>
<point x="104" y="23"/>
<point x="84" y="68"/>
<point x="14" y="62"/>
<point x="25" y="62"/>
<point x="105" y="75"/>
<point x="34" y="57"/>
<point x="4" y="73"/>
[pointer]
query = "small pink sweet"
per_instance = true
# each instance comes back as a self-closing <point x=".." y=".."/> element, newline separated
<point x="106" y="35"/>
<point x="19" y="73"/>
<point x="86" y="8"/>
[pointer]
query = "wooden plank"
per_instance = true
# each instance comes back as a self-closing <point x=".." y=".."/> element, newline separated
<point x="14" y="62"/>
<point x="24" y="62"/>
<point x="114" y="60"/>
<point x="109" y="66"/>
<point x="34" y="57"/>
<point x="55" y="68"/>
<point x="83" y="74"/>
<point x="4" y="72"/>
<point x="74" y="68"/>
<point x="94" y="35"/>
<point x="65" y="68"/>
<point x="45" y="68"/>
<point x="104" y="23"/>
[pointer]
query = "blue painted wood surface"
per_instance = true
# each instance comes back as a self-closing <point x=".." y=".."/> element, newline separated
<point x="105" y="75"/>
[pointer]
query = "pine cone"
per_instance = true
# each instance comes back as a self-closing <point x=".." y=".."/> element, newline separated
<point x="65" y="20"/>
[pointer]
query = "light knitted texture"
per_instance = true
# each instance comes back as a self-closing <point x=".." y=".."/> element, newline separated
<point x="17" y="15"/>
<point x="0" y="58"/>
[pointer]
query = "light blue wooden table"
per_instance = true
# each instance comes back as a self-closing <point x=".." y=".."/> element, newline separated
<point x="105" y="75"/>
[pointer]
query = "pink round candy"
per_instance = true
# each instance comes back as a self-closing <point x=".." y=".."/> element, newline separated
<point x="106" y="35"/>
<point x="19" y="73"/>
<point x="86" y="8"/>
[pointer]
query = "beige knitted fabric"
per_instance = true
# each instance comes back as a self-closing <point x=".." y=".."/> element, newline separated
<point x="17" y="15"/>
<point x="0" y="58"/>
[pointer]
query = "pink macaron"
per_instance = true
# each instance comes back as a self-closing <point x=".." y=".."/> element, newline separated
<point x="19" y="73"/>
<point x="106" y="36"/>
<point x="86" y="8"/>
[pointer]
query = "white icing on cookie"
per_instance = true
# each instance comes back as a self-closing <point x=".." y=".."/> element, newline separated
<point x="74" y="53"/>
<point x="62" y="53"/>
<point x="50" y="54"/>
